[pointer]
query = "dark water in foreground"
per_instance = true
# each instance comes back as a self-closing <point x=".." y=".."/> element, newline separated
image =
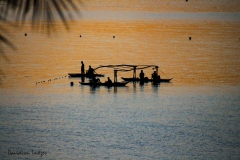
<point x="141" y="122"/>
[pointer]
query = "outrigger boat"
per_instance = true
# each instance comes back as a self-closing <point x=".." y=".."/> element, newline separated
<point x="145" y="80"/>
<point x="126" y="68"/>
<point x="115" y="84"/>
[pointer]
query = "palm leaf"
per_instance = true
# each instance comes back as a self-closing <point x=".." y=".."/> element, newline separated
<point x="15" y="12"/>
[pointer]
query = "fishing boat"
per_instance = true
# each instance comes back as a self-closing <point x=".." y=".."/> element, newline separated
<point x="155" y="79"/>
<point x="84" y="75"/>
<point x="145" y="80"/>
<point x="115" y="84"/>
<point x="127" y="68"/>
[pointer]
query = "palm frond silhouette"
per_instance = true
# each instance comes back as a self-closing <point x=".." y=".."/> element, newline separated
<point x="40" y="12"/>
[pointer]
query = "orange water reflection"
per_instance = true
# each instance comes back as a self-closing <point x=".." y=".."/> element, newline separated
<point x="209" y="57"/>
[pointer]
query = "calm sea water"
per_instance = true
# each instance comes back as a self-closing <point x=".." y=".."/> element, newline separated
<point x="196" y="116"/>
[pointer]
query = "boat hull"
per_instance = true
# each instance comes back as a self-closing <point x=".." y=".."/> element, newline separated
<point x="115" y="84"/>
<point x="145" y="80"/>
<point x="84" y="75"/>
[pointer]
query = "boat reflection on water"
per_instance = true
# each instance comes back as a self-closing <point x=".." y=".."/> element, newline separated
<point x="100" y="88"/>
<point x="83" y="79"/>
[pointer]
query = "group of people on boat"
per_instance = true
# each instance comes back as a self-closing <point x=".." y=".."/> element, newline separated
<point x="91" y="73"/>
<point x="155" y="77"/>
<point x="95" y="81"/>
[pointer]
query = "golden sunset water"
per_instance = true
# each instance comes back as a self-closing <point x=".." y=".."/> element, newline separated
<point x="196" y="116"/>
<point x="211" y="56"/>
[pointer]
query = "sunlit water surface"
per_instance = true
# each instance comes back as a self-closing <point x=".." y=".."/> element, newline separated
<point x="196" y="116"/>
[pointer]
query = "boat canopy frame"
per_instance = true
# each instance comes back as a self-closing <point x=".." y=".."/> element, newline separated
<point x="127" y="68"/>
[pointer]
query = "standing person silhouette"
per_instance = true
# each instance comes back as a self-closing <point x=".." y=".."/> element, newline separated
<point x="141" y="75"/>
<point x="82" y="68"/>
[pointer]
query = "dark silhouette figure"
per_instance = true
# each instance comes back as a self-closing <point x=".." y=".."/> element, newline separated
<point x="155" y="77"/>
<point x="82" y="68"/>
<point x="141" y="75"/>
<point x="90" y="72"/>
<point x="109" y="81"/>
<point x="95" y="80"/>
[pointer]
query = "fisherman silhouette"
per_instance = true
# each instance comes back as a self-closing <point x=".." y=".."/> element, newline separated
<point x="82" y="68"/>
<point x="109" y="81"/>
<point x="141" y="75"/>
<point x="90" y="71"/>
<point x="155" y="77"/>
<point x="95" y="80"/>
